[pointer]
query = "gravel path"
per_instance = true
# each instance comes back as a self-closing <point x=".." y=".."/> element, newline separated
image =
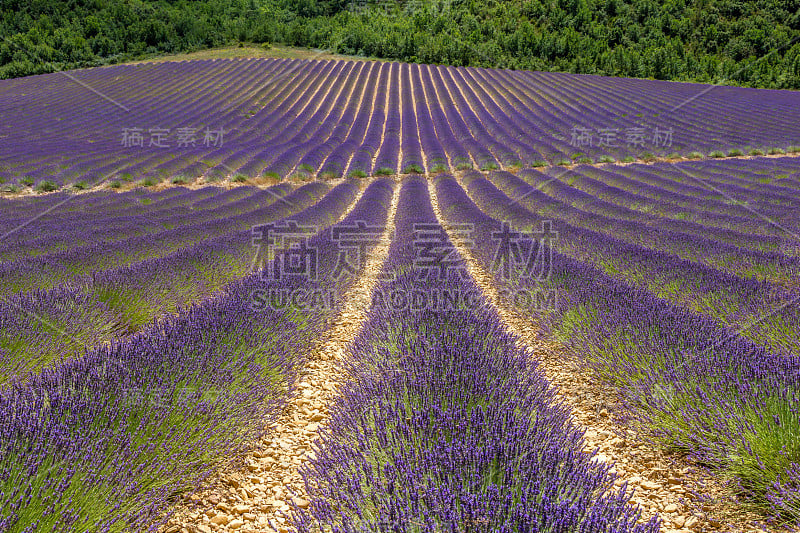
<point x="258" y="496"/>
<point x="665" y="485"/>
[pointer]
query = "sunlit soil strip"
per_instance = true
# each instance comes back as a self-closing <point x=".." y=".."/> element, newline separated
<point x="107" y="441"/>
<point x="443" y="424"/>
<point x="259" y="497"/>
<point x="661" y="487"/>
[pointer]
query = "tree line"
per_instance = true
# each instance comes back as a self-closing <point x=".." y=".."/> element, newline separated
<point x="739" y="42"/>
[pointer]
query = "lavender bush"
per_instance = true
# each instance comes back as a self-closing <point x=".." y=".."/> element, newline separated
<point x="105" y="442"/>
<point x="691" y="383"/>
<point x="444" y="424"/>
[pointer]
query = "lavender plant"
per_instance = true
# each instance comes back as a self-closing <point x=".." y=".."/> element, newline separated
<point x="445" y="424"/>
<point x="693" y="385"/>
<point x="106" y="442"/>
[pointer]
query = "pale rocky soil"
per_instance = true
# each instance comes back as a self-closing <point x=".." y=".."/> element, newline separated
<point x="686" y="499"/>
<point x="199" y="183"/>
<point x="259" y="496"/>
<point x="227" y="182"/>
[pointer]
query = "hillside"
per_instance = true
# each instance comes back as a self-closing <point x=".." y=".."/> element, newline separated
<point x="251" y="119"/>
<point x="726" y="41"/>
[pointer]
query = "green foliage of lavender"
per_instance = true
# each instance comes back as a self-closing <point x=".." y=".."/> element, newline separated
<point x="691" y="383"/>
<point x="444" y="424"/>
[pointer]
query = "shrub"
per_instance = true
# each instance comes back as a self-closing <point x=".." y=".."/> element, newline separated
<point x="412" y="169"/>
<point x="46" y="186"/>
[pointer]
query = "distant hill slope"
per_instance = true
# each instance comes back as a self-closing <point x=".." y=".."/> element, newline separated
<point x="738" y="42"/>
<point x="271" y="119"/>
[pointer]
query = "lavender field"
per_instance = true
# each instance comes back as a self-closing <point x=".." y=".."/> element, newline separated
<point x="278" y="118"/>
<point x="283" y="295"/>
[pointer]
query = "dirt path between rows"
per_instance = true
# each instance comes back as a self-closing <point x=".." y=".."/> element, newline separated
<point x="258" y="496"/>
<point x="686" y="499"/>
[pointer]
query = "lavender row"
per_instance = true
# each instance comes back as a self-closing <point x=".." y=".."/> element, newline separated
<point x="717" y="294"/>
<point x="16" y="210"/>
<point x="672" y="198"/>
<point x="445" y="424"/>
<point x="336" y="125"/>
<point x="64" y="321"/>
<point x="280" y="116"/>
<point x="457" y="154"/>
<point x="67" y="230"/>
<point x="410" y="140"/>
<point x="554" y="203"/>
<point x="104" y="237"/>
<point x="351" y="130"/>
<point x="315" y="119"/>
<point x="360" y="163"/>
<point x="94" y="212"/>
<point x="105" y="442"/>
<point x="388" y="150"/>
<point x="689" y="184"/>
<point x="612" y="201"/>
<point x="71" y="265"/>
<point x="775" y="173"/>
<point x="693" y="385"/>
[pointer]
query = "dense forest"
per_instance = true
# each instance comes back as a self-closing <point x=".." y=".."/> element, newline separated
<point x="738" y="42"/>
